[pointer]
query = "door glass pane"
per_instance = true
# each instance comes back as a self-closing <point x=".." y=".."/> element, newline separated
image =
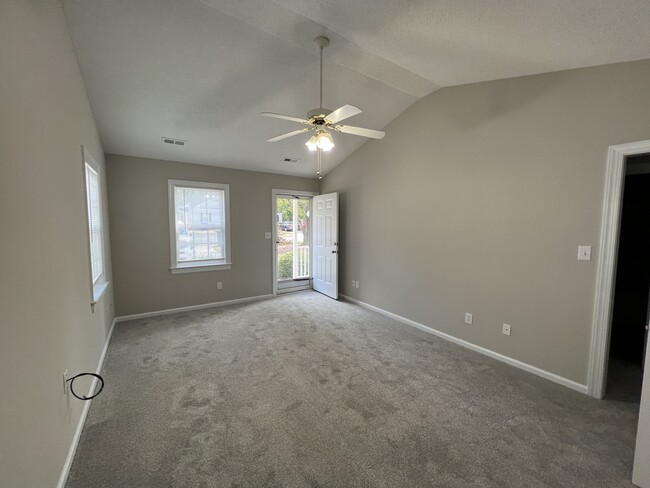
<point x="285" y="237"/>
<point x="302" y="231"/>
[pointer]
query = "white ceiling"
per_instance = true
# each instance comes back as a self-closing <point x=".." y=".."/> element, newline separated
<point x="203" y="70"/>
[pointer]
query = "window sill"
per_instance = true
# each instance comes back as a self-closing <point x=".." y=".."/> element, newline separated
<point x="98" y="291"/>
<point x="198" y="268"/>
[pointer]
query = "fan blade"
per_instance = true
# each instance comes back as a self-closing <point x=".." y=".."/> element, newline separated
<point x="359" y="131"/>
<point x="342" y="113"/>
<point x="289" y="134"/>
<point x="285" y="117"/>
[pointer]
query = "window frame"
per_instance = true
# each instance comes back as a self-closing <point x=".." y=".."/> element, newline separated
<point x="98" y="286"/>
<point x="194" y="267"/>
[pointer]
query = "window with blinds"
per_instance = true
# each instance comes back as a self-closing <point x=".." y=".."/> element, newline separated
<point x="199" y="225"/>
<point x="93" y="199"/>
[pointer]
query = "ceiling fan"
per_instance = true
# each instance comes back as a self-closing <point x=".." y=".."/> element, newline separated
<point x="322" y="120"/>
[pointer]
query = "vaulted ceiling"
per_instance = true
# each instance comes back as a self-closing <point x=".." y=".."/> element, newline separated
<point x="202" y="71"/>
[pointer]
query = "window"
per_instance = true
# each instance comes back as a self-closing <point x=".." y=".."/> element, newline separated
<point x="199" y="226"/>
<point x="95" y="226"/>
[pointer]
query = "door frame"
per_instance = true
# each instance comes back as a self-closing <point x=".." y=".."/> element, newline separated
<point x="274" y="229"/>
<point x="607" y="257"/>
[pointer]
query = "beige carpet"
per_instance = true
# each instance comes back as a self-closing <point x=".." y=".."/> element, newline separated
<point x="304" y="391"/>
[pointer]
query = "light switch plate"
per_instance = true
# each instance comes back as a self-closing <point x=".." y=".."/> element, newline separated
<point x="267" y="235"/>
<point x="584" y="253"/>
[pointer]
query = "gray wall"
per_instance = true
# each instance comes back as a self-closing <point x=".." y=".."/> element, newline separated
<point x="47" y="325"/>
<point x="476" y="201"/>
<point x="137" y="194"/>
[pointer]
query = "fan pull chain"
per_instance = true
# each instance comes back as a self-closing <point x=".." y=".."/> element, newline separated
<point x="319" y="156"/>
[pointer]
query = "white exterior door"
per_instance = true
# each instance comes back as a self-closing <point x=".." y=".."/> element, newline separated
<point x="325" y="223"/>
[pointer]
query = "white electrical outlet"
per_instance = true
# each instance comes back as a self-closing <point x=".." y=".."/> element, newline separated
<point x="353" y="284"/>
<point x="65" y="382"/>
<point x="506" y="329"/>
<point x="469" y="318"/>
<point x="219" y="285"/>
<point x="356" y="284"/>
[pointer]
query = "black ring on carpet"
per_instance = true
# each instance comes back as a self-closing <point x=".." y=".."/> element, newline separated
<point x="84" y="397"/>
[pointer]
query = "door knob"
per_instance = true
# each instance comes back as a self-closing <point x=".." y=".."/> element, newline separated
<point x="335" y="252"/>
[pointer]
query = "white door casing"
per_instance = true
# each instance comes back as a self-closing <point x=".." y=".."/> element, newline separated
<point x="325" y="238"/>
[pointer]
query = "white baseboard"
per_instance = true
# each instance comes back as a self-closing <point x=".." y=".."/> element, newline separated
<point x="487" y="352"/>
<point x="190" y="308"/>
<point x="84" y="413"/>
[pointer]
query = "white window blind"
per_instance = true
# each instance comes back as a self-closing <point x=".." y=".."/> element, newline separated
<point x="199" y="225"/>
<point x="94" y="223"/>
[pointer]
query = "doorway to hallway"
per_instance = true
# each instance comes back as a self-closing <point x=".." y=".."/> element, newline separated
<point x="620" y="160"/>
<point x="631" y="310"/>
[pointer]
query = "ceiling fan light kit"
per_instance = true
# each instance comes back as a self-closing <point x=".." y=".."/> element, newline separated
<point x="323" y="121"/>
<point x="321" y="140"/>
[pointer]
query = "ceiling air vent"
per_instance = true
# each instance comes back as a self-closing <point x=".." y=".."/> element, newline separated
<point x="291" y="160"/>
<point x="173" y="142"/>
